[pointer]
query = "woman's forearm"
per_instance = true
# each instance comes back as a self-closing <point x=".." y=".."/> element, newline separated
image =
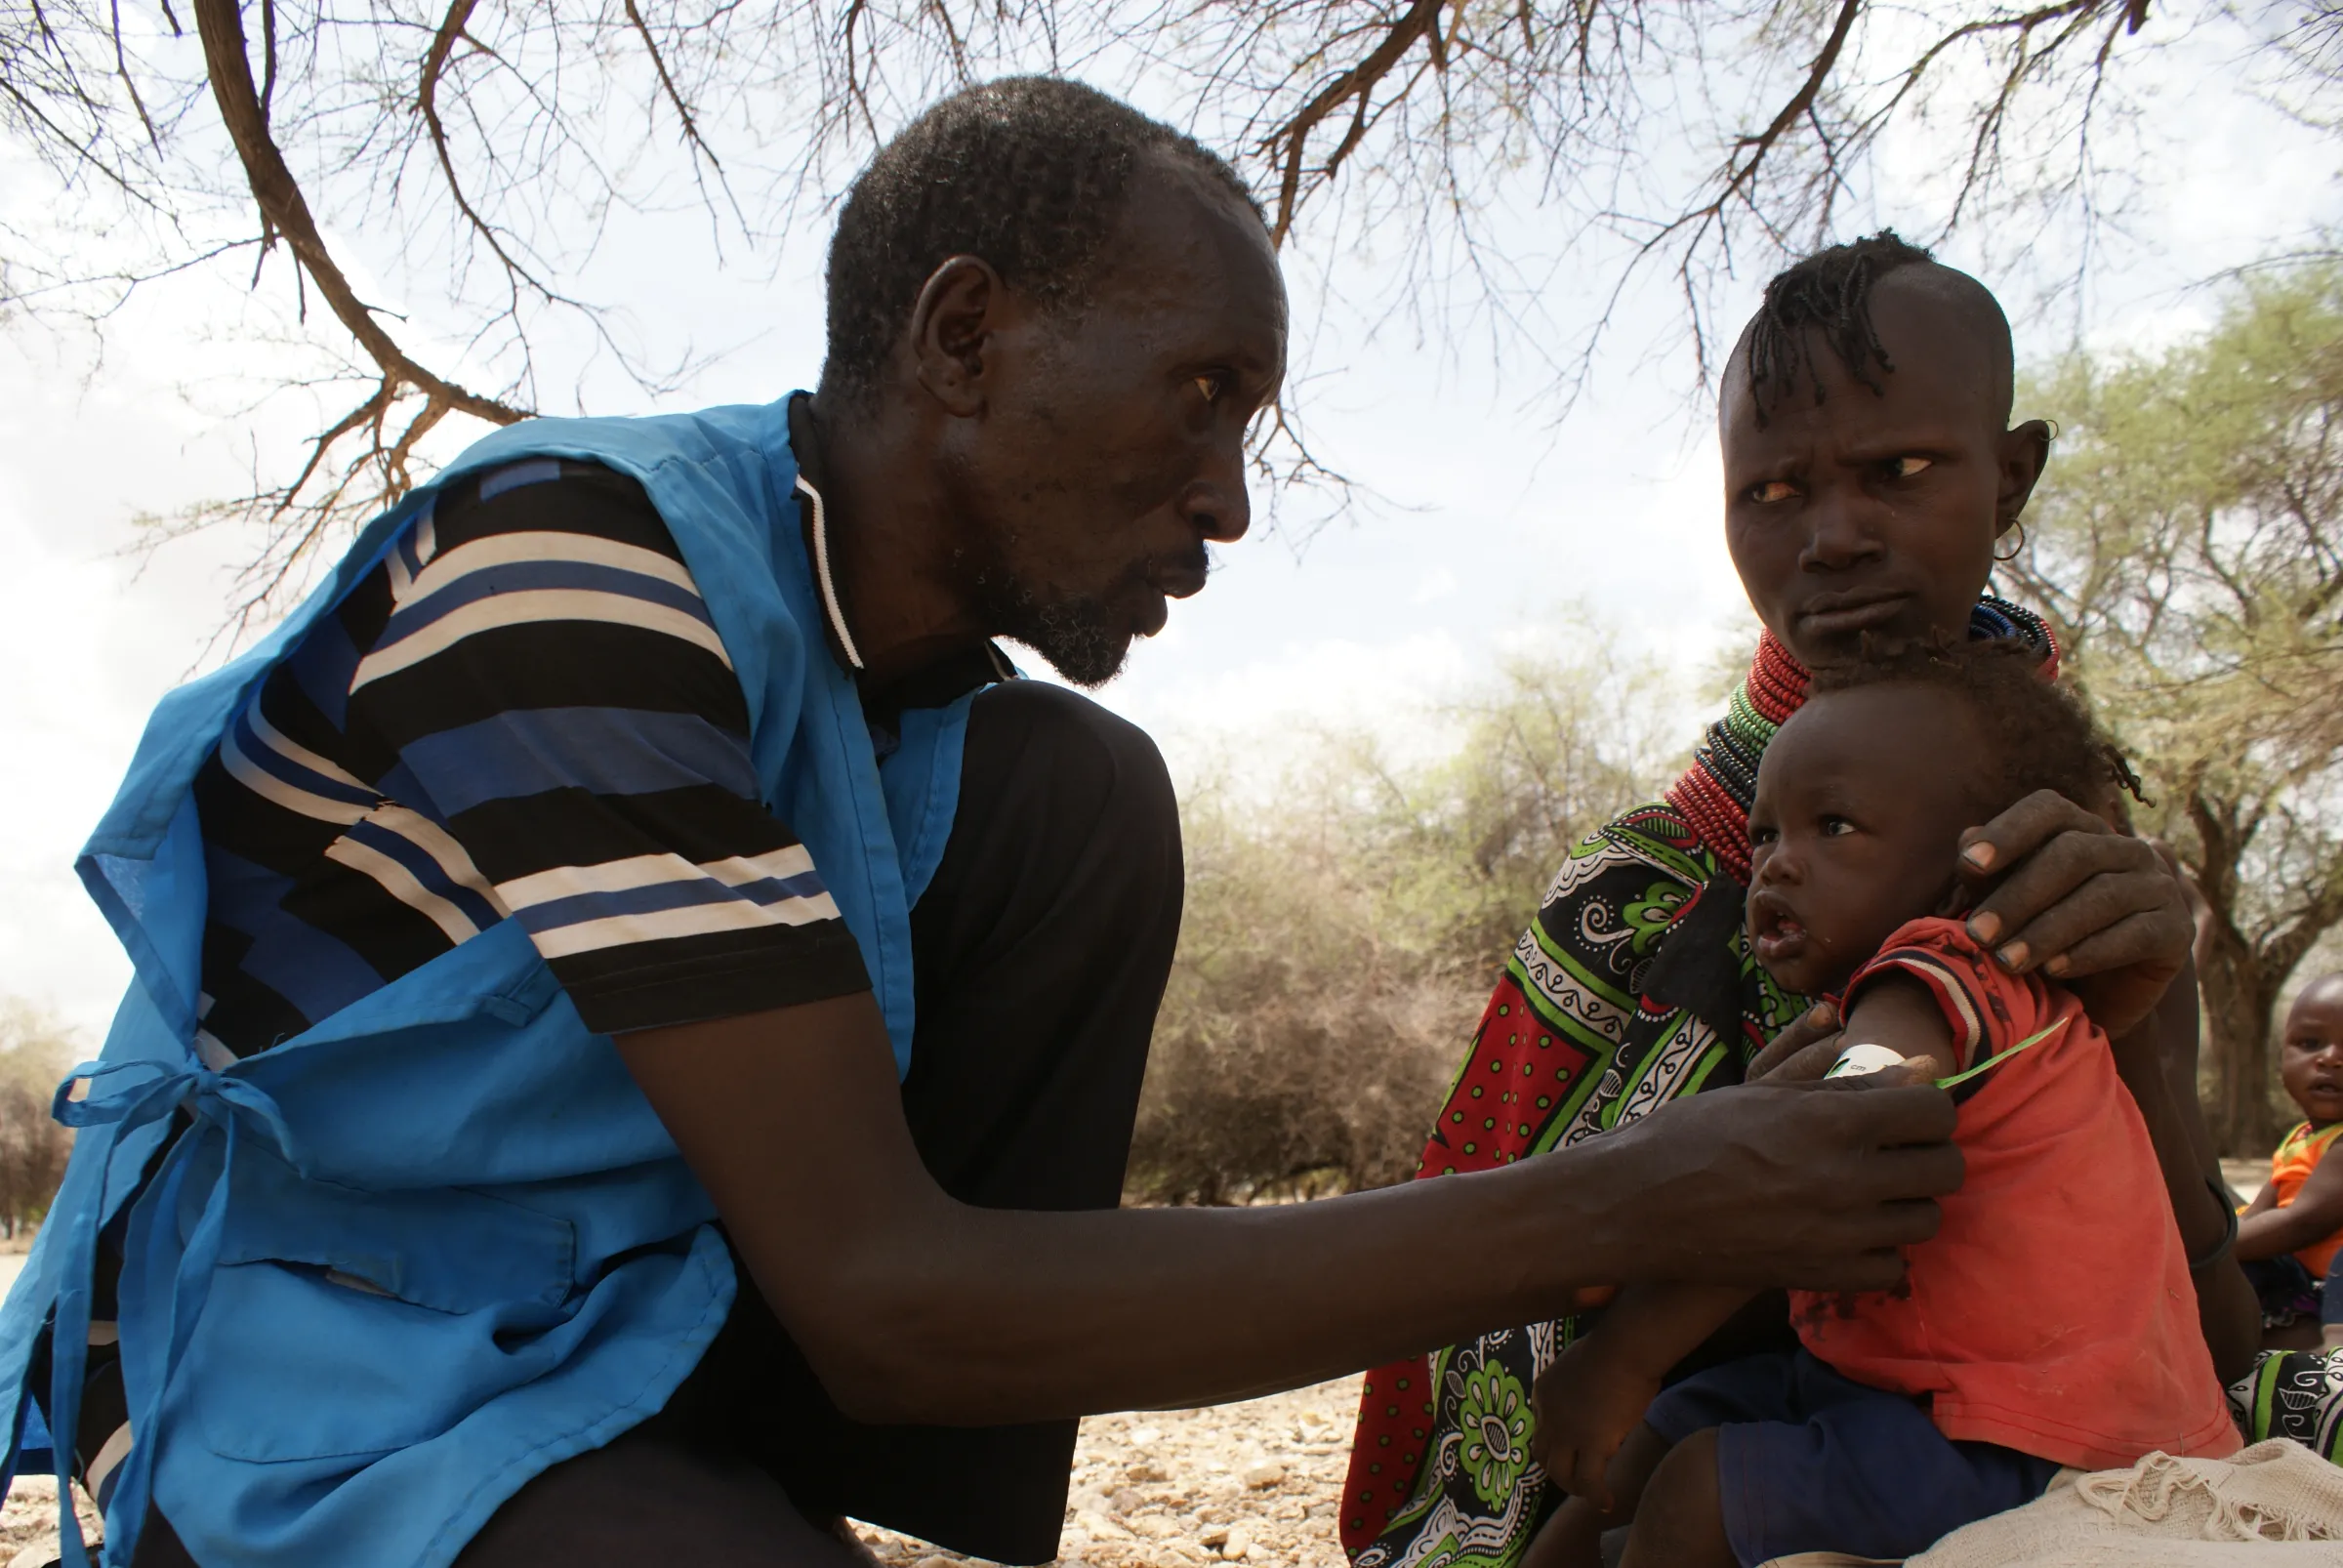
<point x="2154" y="1062"/>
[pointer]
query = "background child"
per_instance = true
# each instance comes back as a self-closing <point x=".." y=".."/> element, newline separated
<point x="2292" y="1232"/>
<point x="2049" y="1323"/>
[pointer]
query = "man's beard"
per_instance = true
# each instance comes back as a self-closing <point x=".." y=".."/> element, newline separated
<point x="1079" y="634"/>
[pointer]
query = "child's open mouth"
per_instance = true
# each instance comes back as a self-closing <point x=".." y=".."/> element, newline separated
<point x="1774" y="929"/>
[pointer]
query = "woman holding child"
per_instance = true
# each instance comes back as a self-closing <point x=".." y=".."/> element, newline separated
<point x="1870" y="472"/>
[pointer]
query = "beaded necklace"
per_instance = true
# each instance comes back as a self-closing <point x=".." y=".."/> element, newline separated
<point x="1715" y="793"/>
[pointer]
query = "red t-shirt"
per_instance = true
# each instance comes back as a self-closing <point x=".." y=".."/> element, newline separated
<point x="2052" y="1313"/>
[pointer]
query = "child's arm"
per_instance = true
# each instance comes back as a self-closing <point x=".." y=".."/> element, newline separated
<point x="2315" y="1214"/>
<point x="1596" y="1392"/>
<point x="1899" y="1012"/>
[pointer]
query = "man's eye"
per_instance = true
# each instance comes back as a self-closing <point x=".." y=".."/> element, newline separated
<point x="1767" y="492"/>
<point x="1907" y="466"/>
<point x="1213" y="383"/>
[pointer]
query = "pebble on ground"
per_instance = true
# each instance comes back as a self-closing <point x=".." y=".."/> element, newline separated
<point x="1253" y="1483"/>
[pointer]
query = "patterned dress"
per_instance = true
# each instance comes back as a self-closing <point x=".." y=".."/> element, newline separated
<point x="1634" y="984"/>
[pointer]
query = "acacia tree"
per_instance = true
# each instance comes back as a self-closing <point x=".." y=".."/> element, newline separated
<point x="483" y="149"/>
<point x="2188" y="547"/>
<point x="1338" y="926"/>
<point x="34" y="1053"/>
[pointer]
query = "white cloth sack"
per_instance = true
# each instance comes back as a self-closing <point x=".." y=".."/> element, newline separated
<point x="2273" y="1506"/>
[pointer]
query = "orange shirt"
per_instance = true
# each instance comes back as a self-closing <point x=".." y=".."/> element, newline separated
<point x="2052" y="1313"/>
<point x="2289" y="1168"/>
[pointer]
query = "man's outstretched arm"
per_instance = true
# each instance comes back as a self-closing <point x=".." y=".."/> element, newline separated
<point x="914" y="1307"/>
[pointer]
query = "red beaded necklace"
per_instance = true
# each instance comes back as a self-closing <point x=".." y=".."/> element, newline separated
<point x="1714" y="794"/>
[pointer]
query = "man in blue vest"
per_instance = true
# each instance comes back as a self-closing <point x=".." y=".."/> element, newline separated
<point x="639" y="1019"/>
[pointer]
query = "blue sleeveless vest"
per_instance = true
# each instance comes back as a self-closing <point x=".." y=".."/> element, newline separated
<point x="537" y="1268"/>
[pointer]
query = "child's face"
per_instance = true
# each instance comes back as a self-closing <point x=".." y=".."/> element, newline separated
<point x="1877" y="512"/>
<point x="2310" y="1061"/>
<point x="1861" y="801"/>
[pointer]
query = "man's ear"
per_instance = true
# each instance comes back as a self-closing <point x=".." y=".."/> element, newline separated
<point x="952" y="324"/>
<point x="2024" y="452"/>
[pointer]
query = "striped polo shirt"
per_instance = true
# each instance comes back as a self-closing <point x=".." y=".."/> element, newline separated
<point x="523" y="713"/>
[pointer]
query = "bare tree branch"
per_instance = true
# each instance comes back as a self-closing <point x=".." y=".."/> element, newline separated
<point x="287" y="211"/>
<point x="1289" y="143"/>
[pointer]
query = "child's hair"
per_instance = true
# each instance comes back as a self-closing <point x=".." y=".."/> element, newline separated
<point x="2038" y="731"/>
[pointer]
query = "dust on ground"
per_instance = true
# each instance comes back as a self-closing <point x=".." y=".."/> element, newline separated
<point x="1255" y="1482"/>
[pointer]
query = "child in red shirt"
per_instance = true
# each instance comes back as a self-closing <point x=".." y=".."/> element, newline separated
<point x="2291" y="1234"/>
<point x="2050" y="1322"/>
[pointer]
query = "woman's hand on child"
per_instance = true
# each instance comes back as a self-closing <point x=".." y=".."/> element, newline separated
<point x="1585" y="1404"/>
<point x="1804" y="1052"/>
<point x="2064" y="892"/>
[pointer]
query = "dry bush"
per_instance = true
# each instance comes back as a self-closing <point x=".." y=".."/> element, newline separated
<point x="34" y="1053"/>
<point x="1340" y="938"/>
<point x="1296" y="1047"/>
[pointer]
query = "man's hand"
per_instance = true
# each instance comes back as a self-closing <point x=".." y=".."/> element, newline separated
<point x="2095" y="909"/>
<point x="1584" y="1404"/>
<point x="1816" y="1185"/>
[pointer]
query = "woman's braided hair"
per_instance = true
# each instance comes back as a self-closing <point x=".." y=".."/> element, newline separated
<point x="1829" y="293"/>
<point x="2038" y="732"/>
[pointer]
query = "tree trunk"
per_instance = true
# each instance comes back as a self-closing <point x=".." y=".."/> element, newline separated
<point x="2238" y="998"/>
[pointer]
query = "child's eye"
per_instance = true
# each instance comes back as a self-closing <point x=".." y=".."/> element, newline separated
<point x="1907" y="466"/>
<point x="1770" y="492"/>
<point x="1213" y="383"/>
<point x="1834" y="827"/>
<point x="1761" y="835"/>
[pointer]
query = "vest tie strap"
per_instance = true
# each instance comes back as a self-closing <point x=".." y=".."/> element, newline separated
<point x="130" y="1094"/>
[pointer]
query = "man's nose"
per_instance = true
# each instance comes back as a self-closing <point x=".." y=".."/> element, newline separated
<point x="1838" y="532"/>
<point x="1216" y="504"/>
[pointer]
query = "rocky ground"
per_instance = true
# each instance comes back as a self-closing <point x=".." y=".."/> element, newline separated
<point x="28" y="1522"/>
<point x="1256" y="1482"/>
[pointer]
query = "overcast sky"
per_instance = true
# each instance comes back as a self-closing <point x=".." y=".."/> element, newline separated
<point x="1490" y="521"/>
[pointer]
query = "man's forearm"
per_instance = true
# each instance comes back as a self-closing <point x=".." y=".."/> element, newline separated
<point x="986" y="1315"/>
<point x="914" y="1307"/>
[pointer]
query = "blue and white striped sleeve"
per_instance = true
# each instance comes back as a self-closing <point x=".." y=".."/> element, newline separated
<point x="551" y="683"/>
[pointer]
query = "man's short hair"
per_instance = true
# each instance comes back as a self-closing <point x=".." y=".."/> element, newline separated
<point x="1027" y="174"/>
